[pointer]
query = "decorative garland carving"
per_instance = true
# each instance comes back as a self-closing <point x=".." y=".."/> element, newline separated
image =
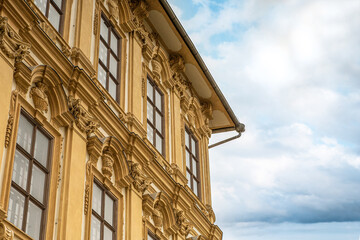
<point x="5" y="232"/>
<point x="38" y="94"/>
<point x="9" y="128"/>
<point x="141" y="182"/>
<point x="86" y="198"/>
<point x="83" y="119"/>
<point x="10" y="123"/>
<point x="11" y="43"/>
<point x="96" y="17"/>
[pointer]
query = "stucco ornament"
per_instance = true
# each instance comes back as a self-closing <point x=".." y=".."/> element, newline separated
<point x="38" y="94"/>
<point x="113" y="8"/>
<point x="141" y="182"/>
<point x="182" y="222"/>
<point x="158" y="216"/>
<point x="107" y="163"/>
<point x="83" y="119"/>
<point x="11" y="43"/>
<point x="5" y="232"/>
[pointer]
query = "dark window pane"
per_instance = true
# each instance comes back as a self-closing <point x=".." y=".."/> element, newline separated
<point x="41" y="4"/>
<point x="150" y="91"/>
<point x="158" y="122"/>
<point x="37" y="183"/>
<point x="54" y="17"/>
<point x="25" y="133"/>
<point x="97" y="199"/>
<point x="158" y="100"/>
<point x="150" y="134"/>
<point x="112" y="88"/>
<point x="114" y="43"/>
<point x="195" y="186"/>
<point x="108" y="234"/>
<point x="33" y="221"/>
<point x="103" y="53"/>
<point x="187" y="139"/>
<point x="109" y="209"/>
<point x="193" y="146"/>
<point x="95" y="228"/>
<point x="187" y="159"/>
<point x="188" y="176"/>
<point x="102" y="76"/>
<point x="194" y="167"/>
<point x="113" y="66"/>
<point x="41" y="148"/>
<point x="16" y="208"/>
<point x="150" y="112"/>
<point x="20" y="169"/>
<point x="158" y="143"/>
<point x="104" y="30"/>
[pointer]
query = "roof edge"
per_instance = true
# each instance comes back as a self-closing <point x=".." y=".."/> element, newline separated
<point x="239" y="127"/>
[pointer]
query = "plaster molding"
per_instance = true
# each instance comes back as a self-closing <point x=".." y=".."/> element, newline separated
<point x="11" y="43"/>
<point x="39" y="95"/>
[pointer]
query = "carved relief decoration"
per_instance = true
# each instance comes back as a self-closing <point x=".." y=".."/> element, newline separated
<point x="107" y="163"/>
<point x="141" y="182"/>
<point x="113" y="9"/>
<point x="38" y="94"/>
<point x="10" y="123"/>
<point x="48" y="30"/>
<point x="83" y="119"/>
<point x="182" y="222"/>
<point x="86" y="198"/>
<point x="11" y="43"/>
<point x="139" y="8"/>
<point x="5" y="232"/>
<point x="158" y="216"/>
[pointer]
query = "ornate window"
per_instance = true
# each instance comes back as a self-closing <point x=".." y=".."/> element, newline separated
<point x="192" y="162"/>
<point x="155" y="116"/>
<point x="103" y="217"/>
<point x="30" y="178"/>
<point x="53" y="10"/>
<point x="109" y="58"/>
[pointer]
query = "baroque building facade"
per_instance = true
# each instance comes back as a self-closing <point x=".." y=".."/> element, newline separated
<point x="107" y="111"/>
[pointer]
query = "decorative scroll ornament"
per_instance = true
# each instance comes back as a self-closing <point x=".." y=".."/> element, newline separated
<point x="141" y="182"/>
<point x="38" y="94"/>
<point x="177" y="63"/>
<point x="83" y="119"/>
<point x="107" y="163"/>
<point x="5" y="232"/>
<point x="11" y="43"/>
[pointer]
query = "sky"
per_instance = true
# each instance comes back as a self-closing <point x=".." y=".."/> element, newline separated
<point x="290" y="70"/>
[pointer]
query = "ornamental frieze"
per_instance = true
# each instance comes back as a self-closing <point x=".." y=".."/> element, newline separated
<point x="10" y="42"/>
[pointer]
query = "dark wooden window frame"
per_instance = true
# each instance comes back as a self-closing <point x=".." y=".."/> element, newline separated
<point x="117" y="56"/>
<point x="60" y="11"/>
<point x="156" y="110"/>
<point x="33" y="161"/>
<point x="151" y="234"/>
<point x="189" y="169"/>
<point x="101" y="218"/>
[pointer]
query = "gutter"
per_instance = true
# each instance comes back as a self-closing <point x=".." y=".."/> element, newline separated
<point x="239" y="127"/>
